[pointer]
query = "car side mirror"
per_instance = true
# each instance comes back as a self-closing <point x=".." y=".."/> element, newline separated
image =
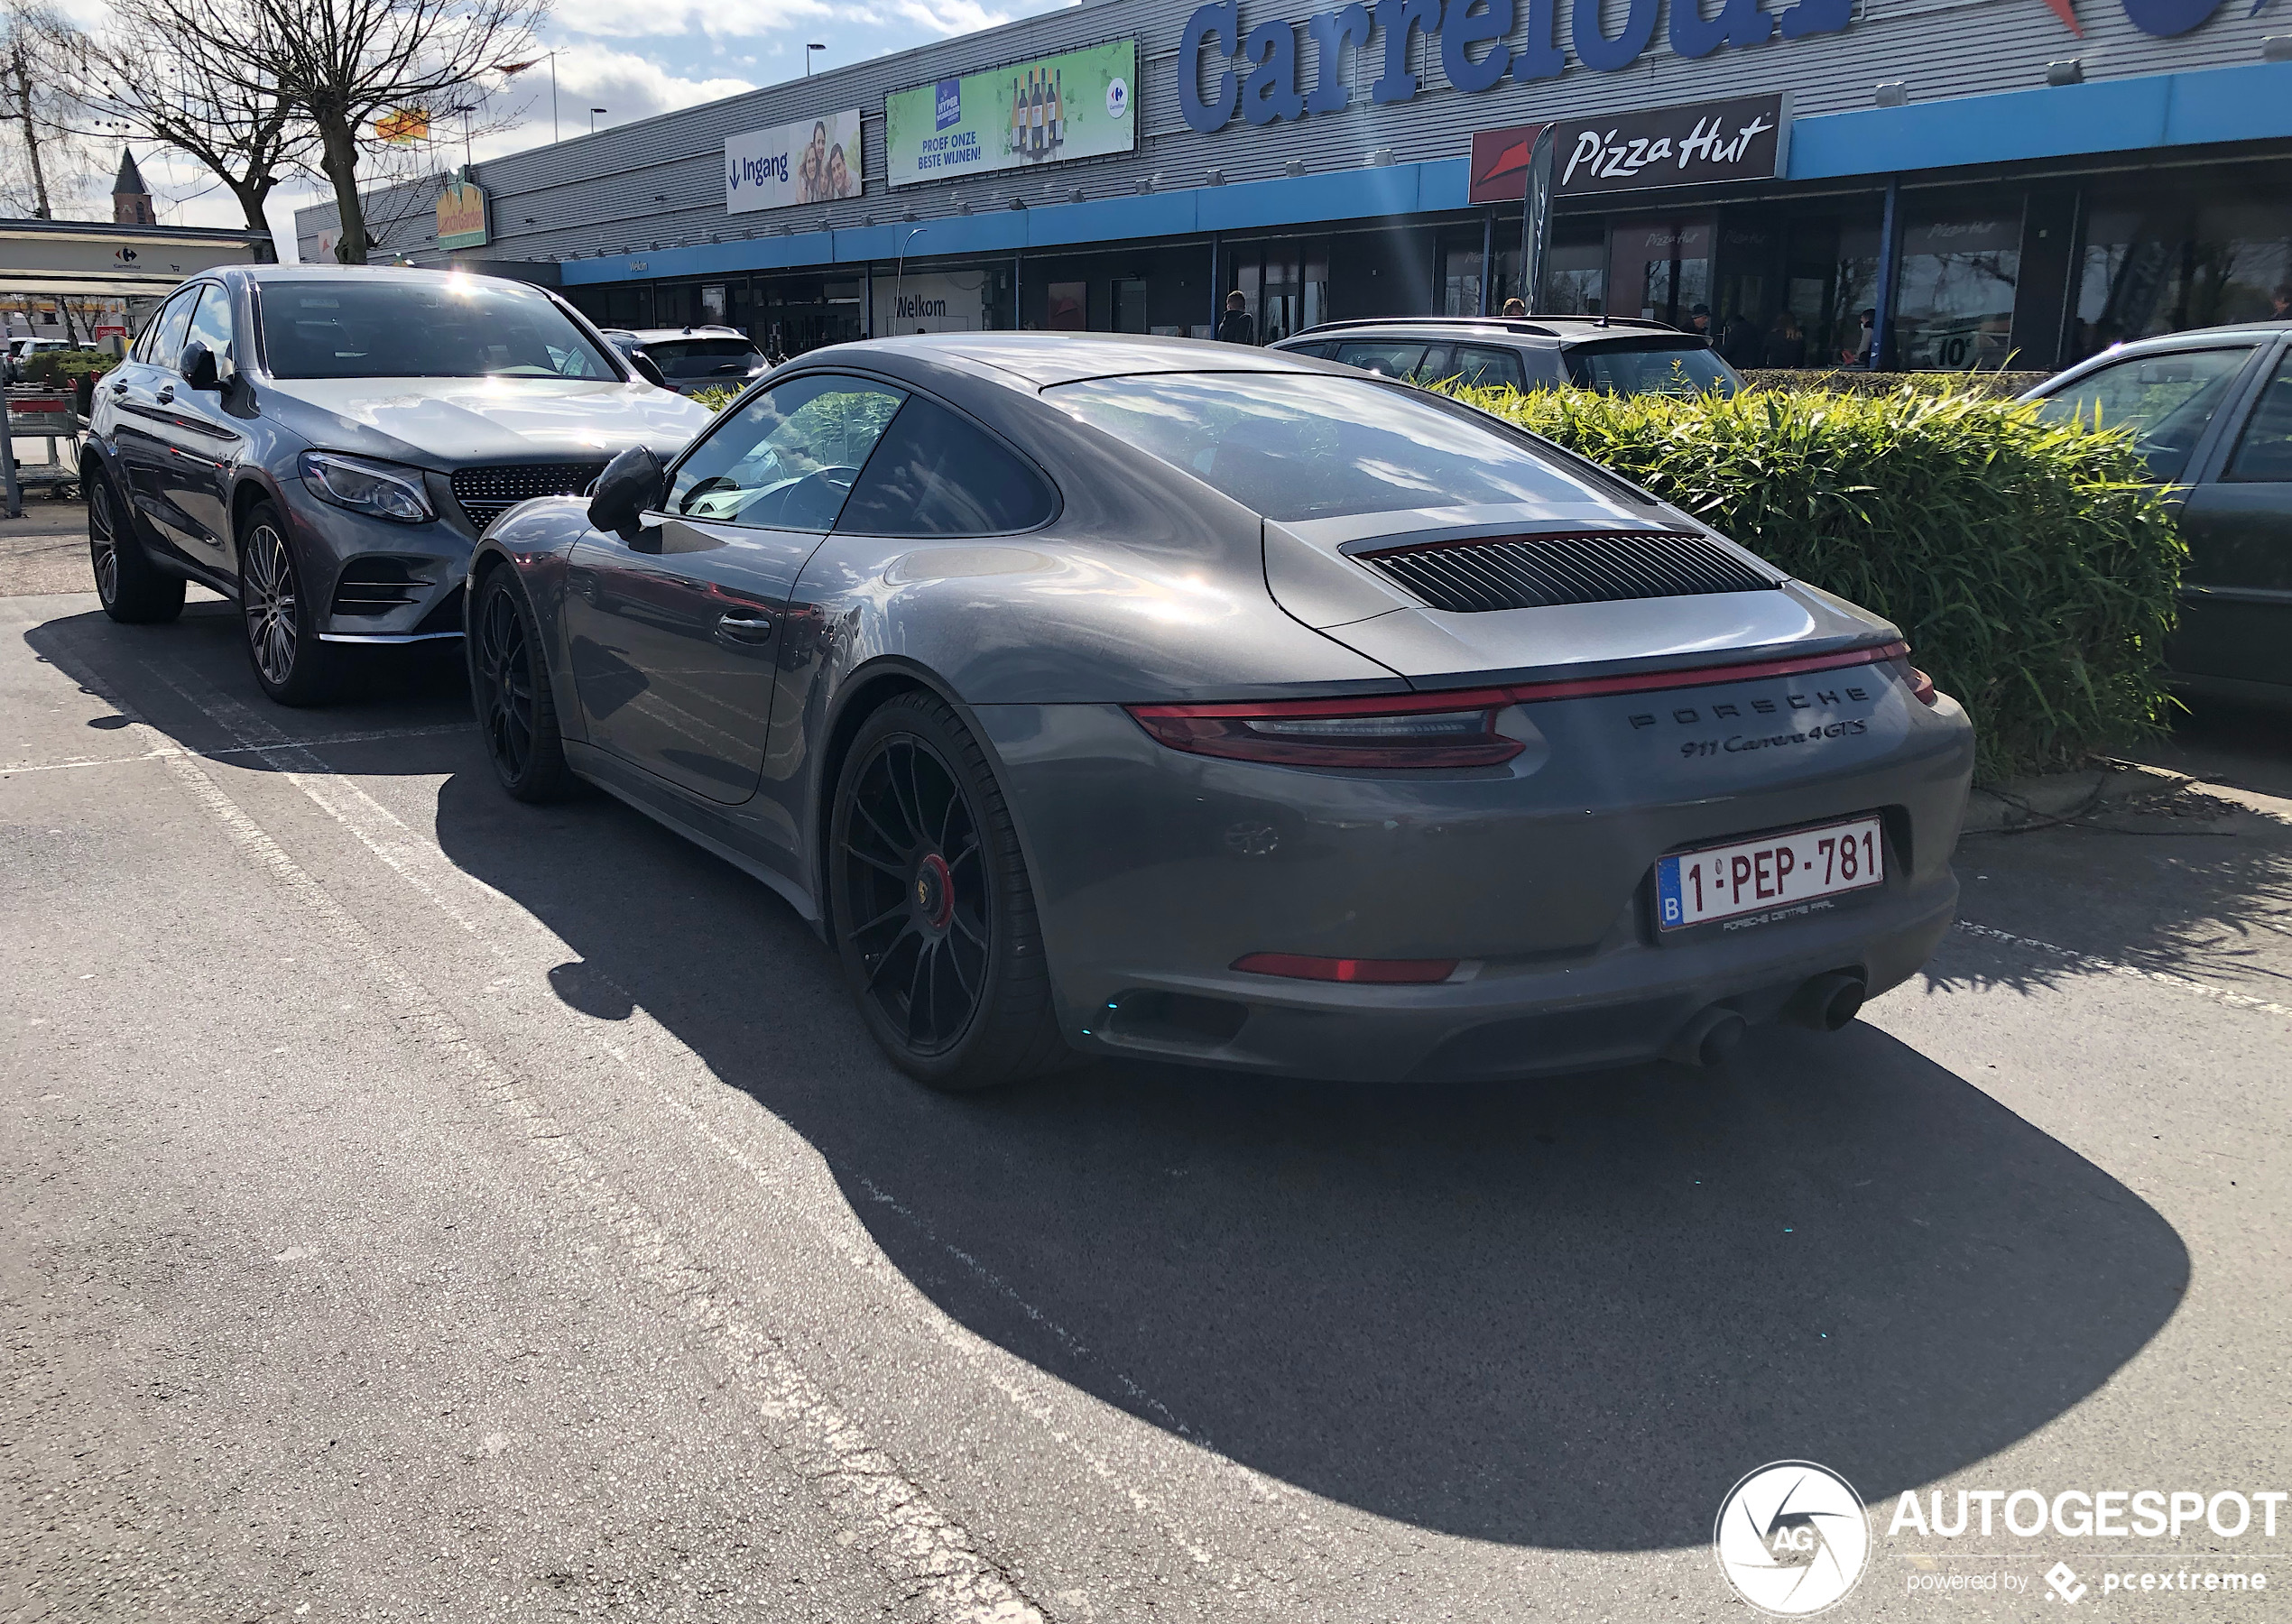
<point x="647" y="368"/>
<point x="199" y="367"/>
<point x="631" y="483"/>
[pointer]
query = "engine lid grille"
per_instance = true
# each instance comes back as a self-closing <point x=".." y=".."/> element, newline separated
<point x="486" y="493"/>
<point x="1588" y="567"/>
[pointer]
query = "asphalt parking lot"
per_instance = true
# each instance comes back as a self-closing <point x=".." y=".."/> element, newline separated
<point x="422" y="1206"/>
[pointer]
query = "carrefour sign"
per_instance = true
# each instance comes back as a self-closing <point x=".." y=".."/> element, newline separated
<point x="1482" y="43"/>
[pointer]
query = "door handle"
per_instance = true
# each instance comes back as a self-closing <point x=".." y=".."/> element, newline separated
<point x="166" y="396"/>
<point x="744" y="626"/>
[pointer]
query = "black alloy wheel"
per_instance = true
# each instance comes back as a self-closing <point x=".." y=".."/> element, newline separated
<point x="282" y="644"/>
<point x="509" y="683"/>
<point x="935" y="922"/>
<point x="132" y="590"/>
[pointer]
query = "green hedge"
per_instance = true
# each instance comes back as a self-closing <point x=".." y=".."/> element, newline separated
<point x="2031" y="568"/>
<point x="55" y="367"/>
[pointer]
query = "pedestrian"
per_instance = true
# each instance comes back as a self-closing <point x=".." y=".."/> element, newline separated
<point x="1787" y="342"/>
<point x="1861" y="355"/>
<point x="1699" y="321"/>
<point x="2282" y="302"/>
<point x="1516" y="307"/>
<point x="1236" y="326"/>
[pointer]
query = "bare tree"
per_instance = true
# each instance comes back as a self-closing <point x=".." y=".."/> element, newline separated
<point x="37" y="47"/>
<point x="172" y="69"/>
<point x="341" y="62"/>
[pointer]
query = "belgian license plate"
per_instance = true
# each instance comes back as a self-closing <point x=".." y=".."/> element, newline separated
<point x="1774" y="870"/>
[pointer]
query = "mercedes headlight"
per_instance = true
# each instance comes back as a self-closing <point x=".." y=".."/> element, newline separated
<point x="365" y="488"/>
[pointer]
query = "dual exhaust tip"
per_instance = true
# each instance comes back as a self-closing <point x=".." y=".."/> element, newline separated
<point x="1825" y="1002"/>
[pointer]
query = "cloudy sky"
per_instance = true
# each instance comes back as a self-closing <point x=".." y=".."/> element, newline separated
<point x="637" y="57"/>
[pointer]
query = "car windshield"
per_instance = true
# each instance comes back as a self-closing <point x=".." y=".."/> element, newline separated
<point x="1299" y="445"/>
<point x="704" y="358"/>
<point x="1643" y="367"/>
<point x="457" y="327"/>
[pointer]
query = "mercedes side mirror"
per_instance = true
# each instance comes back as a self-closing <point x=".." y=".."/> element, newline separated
<point x="199" y="367"/>
<point x="629" y="485"/>
<point x="647" y="368"/>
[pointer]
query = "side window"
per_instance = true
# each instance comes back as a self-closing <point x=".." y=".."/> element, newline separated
<point x="937" y="474"/>
<point x="1479" y="366"/>
<point x="2165" y="400"/>
<point x="788" y="459"/>
<point x="2264" y="454"/>
<point x="211" y="322"/>
<point x="165" y="343"/>
<point x="1386" y="357"/>
<point x="1435" y="366"/>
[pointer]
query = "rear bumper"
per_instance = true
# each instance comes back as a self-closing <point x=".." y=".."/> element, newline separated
<point x="1155" y="871"/>
<point x="1613" y="1009"/>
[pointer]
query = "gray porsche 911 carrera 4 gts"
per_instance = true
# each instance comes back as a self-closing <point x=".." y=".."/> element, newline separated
<point x="1143" y="696"/>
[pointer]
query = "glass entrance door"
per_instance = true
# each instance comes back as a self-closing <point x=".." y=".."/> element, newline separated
<point x="1284" y="285"/>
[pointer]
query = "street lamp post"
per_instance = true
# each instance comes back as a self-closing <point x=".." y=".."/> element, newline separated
<point x="898" y="276"/>
<point x="593" y="113"/>
<point x="807" y="58"/>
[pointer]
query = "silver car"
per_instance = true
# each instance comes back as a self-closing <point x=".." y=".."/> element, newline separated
<point x="1139" y="697"/>
<point x="326" y="445"/>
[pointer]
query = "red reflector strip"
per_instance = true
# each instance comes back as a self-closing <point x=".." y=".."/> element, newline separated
<point x="1531" y="693"/>
<point x="1299" y="966"/>
<point x="1921" y="687"/>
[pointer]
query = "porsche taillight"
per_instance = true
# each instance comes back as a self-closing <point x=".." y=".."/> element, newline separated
<point x="1453" y="729"/>
<point x="1408" y="730"/>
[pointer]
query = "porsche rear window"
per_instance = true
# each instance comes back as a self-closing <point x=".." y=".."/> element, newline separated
<point x="1294" y="446"/>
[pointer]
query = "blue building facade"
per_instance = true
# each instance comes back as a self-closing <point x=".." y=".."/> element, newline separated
<point x="1937" y="184"/>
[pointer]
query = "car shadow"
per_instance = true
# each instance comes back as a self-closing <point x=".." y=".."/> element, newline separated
<point x="1564" y="1314"/>
<point x="1568" y="1314"/>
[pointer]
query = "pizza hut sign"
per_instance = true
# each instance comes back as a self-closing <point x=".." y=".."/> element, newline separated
<point x="1747" y="138"/>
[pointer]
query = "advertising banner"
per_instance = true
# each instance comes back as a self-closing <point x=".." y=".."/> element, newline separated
<point x="1074" y="105"/>
<point x="810" y="161"/>
<point x="461" y="214"/>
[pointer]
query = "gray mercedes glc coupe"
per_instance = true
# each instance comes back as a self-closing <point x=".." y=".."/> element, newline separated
<point x="326" y="444"/>
<point x="1135" y="696"/>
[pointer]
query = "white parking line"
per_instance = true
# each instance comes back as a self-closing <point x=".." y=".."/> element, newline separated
<point x="9" y="769"/>
<point x="2235" y="1000"/>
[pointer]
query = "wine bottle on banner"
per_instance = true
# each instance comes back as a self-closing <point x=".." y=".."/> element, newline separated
<point x="1018" y="120"/>
<point x="1058" y="110"/>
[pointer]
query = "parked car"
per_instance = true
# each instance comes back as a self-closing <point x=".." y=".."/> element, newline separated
<point x="695" y="358"/>
<point x="1139" y="695"/>
<point x="2211" y="411"/>
<point x="326" y="447"/>
<point x="1543" y="352"/>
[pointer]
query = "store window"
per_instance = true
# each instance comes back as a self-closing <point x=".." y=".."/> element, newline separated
<point x="1462" y="267"/>
<point x="1659" y="270"/>
<point x="1575" y="271"/>
<point x="1829" y="292"/>
<point x="2157" y="263"/>
<point x="1955" y="310"/>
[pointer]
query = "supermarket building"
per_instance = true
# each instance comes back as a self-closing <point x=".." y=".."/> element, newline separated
<point x="2023" y="180"/>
